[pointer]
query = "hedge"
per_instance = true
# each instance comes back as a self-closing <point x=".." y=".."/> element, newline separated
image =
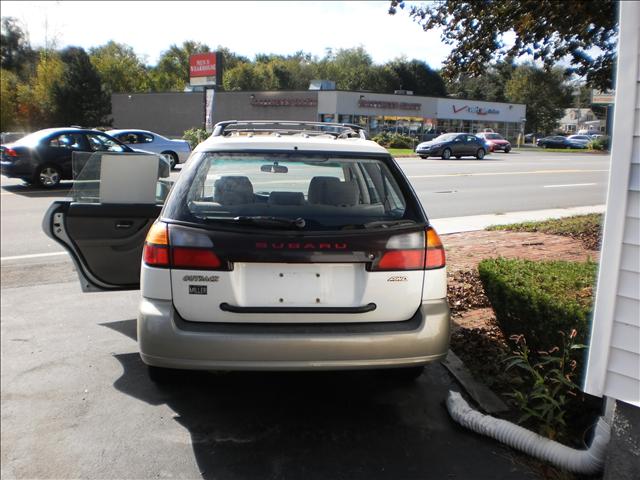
<point x="538" y="299"/>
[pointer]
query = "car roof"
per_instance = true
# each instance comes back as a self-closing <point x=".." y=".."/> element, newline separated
<point x="123" y="130"/>
<point x="321" y="143"/>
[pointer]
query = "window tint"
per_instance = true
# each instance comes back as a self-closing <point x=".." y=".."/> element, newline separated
<point x="327" y="192"/>
<point x="102" y="143"/>
<point x="71" y="141"/>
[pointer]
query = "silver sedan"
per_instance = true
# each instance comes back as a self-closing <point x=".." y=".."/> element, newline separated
<point x="174" y="151"/>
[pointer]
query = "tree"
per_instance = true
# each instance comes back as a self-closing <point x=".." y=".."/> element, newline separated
<point x="8" y="100"/>
<point x="544" y="93"/>
<point x="120" y="69"/>
<point x="79" y="97"/>
<point x="489" y="86"/>
<point x="548" y="30"/>
<point x="172" y="71"/>
<point x="417" y="76"/>
<point x="16" y="54"/>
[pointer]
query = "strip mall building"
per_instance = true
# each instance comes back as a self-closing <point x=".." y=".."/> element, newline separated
<point x="174" y="112"/>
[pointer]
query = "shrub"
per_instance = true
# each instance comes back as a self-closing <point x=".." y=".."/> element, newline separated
<point x="394" y="140"/>
<point x="538" y="299"/>
<point x="194" y="136"/>
<point x="601" y="143"/>
<point x="549" y="390"/>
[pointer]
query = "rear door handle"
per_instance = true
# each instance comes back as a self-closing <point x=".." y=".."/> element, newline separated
<point x="122" y="224"/>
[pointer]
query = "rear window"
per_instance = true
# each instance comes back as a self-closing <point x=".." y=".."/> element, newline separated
<point x="326" y="191"/>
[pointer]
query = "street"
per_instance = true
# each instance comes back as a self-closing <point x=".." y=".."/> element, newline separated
<point x="77" y="402"/>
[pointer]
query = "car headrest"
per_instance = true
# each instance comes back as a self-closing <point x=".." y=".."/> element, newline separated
<point x="331" y="191"/>
<point x="233" y="190"/>
<point x="286" y="198"/>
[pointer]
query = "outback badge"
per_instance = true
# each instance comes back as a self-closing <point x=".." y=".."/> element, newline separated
<point x="397" y="278"/>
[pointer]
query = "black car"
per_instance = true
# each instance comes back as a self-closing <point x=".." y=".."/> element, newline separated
<point x="44" y="157"/>
<point x="456" y="145"/>
<point x="558" y="141"/>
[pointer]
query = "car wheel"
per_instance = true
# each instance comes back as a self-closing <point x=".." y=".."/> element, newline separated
<point x="480" y="154"/>
<point x="48" y="176"/>
<point x="446" y="154"/>
<point x="164" y="376"/>
<point x="172" y="158"/>
<point x="507" y="149"/>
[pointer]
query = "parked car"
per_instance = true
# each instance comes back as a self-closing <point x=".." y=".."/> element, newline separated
<point x="453" y="144"/>
<point x="289" y="252"/>
<point x="558" y="141"/>
<point x="495" y="141"/>
<point x="580" y="139"/>
<point x="533" y="136"/>
<point x="175" y="151"/>
<point x="44" y="157"/>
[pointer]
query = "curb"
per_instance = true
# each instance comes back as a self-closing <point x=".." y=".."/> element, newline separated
<point x="471" y="223"/>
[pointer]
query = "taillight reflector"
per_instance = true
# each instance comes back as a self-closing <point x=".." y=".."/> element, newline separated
<point x="158" y="234"/>
<point x="194" y="258"/>
<point x="10" y="152"/>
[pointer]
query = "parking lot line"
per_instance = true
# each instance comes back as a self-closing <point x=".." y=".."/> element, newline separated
<point x="32" y="255"/>
<point x="570" y="185"/>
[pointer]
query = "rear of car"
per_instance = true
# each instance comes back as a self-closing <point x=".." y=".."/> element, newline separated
<point x="305" y="252"/>
<point x="495" y="142"/>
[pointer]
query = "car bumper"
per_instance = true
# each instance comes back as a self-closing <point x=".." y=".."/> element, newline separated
<point x="166" y="340"/>
<point x="15" y="169"/>
<point x="432" y="152"/>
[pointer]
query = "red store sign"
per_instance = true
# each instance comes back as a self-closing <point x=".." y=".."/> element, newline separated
<point x="284" y="102"/>
<point x="202" y="65"/>
<point x="389" y="105"/>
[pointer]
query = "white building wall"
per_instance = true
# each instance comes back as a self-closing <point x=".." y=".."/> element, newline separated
<point x="614" y="357"/>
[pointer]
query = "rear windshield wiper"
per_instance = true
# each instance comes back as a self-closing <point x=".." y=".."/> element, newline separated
<point x="268" y="221"/>
<point x="381" y="224"/>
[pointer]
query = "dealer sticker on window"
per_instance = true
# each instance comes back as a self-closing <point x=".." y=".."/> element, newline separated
<point x="197" y="289"/>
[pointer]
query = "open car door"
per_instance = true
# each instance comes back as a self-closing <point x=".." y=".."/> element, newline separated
<point x="115" y="200"/>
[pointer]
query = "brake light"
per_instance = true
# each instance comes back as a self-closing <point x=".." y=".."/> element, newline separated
<point x="194" y="258"/>
<point x="414" y="251"/>
<point x="435" y="257"/>
<point x="156" y="246"/>
<point x="10" y="152"/>
<point x="175" y="247"/>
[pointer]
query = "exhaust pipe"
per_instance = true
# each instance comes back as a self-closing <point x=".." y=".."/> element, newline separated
<point x="586" y="462"/>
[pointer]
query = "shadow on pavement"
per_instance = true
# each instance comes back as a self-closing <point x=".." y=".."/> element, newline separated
<point x="308" y="425"/>
<point x="61" y="190"/>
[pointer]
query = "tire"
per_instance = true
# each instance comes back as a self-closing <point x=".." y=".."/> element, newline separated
<point x="424" y="156"/>
<point x="172" y="158"/>
<point x="164" y="376"/>
<point x="47" y="176"/>
<point x="446" y="154"/>
<point x="507" y="149"/>
<point x="480" y="153"/>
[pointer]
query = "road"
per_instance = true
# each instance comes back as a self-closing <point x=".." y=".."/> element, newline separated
<point x="500" y="183"/>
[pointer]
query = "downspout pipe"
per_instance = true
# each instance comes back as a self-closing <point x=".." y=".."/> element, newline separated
<point x="586" y="462"/>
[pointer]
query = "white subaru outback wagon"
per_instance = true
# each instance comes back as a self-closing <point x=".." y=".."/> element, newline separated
<point x="281" y="246"/>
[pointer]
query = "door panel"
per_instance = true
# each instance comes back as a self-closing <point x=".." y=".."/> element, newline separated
<point x="104" y="241"/>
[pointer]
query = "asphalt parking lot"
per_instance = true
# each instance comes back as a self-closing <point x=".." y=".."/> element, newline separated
<point x="77" y="403"/>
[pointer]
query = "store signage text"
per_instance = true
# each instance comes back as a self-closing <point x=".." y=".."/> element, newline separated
<point x="284" y="102"/>
<point x="476" y="110"/>
<point x="389" y="105"/>
<point x="202" y="65"/>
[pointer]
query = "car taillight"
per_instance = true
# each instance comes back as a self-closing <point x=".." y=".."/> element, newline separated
<point x="435" y="257"/>
<point x="10" y="152"/>
<point x="413" y="251"/>
<point x="176" y="247"/>
<point x="156" y="246"/>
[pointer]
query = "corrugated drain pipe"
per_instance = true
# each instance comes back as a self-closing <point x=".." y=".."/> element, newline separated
<point x="588" y="461"/>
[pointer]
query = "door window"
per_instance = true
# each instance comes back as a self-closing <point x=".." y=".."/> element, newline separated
<point x="72" y="141"/>
<point x="102" y="143"/>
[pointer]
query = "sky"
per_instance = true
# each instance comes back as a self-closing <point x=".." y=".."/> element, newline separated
<point x="246" y="28"/>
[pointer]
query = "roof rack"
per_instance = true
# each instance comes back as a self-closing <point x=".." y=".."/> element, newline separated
<point x="286" y="127"/>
